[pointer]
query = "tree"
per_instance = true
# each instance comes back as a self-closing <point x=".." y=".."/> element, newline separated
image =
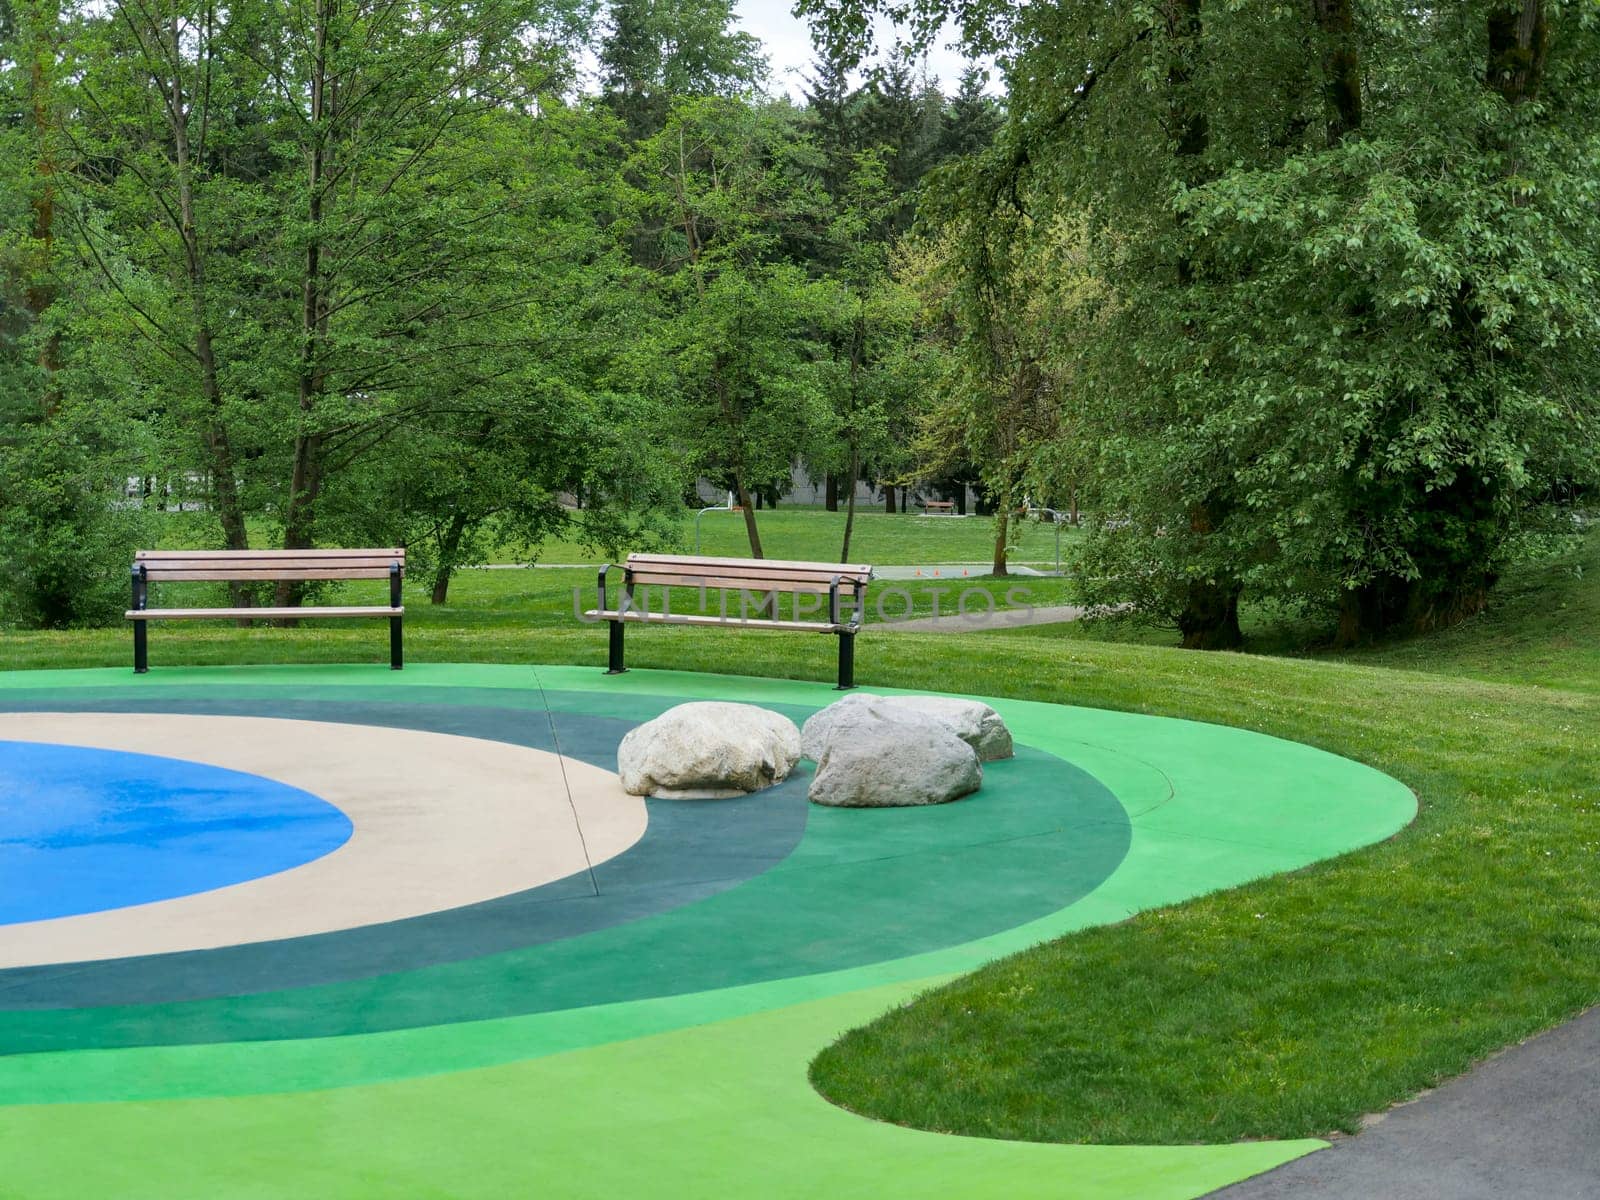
<point x="166" y="124"/>
<point x="657" y="50"/>
<point x="997" y="409"/>
<point x="719" y="193"/>
<point x="65" y="536"/>
<point x="971" y="118"/>
<point x="868" y="377"/>
<point x="1346" y="350"/>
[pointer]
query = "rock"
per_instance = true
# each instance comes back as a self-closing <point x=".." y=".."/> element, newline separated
<point x="708" y="749"/>
<point x="974" y="722"/>
<point x="889" y="756"/>
<point x="819" y="726"/>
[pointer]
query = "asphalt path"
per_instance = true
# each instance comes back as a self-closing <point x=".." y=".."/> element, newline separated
<point x="1525" y="1125"/>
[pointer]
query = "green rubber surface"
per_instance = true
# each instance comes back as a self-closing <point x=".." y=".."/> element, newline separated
<point x="696" y="1091"/>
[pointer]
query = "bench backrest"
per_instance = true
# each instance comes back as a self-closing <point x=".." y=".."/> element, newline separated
<point x="269" y="564"/>
<point x="751" y="574"/>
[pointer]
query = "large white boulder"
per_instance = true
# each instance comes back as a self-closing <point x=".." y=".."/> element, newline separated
<point x="708" y="749"/>
<point x="974" y="722"/>
<point x="889" y="756"/>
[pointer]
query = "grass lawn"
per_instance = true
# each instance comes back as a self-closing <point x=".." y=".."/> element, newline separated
<point x="1284" y="1008"/>
<point x="813" y="535"/>
<point x="806" y="534"/>
<point x="1539" y="629"/>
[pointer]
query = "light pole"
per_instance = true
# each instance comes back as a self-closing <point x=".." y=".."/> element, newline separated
<point x="1057" y="518"/>
<point x="728" y="507"/>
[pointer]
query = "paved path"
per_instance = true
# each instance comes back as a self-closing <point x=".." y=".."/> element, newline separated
<point x="1523" y="1126"/>
<point x="978" y="621"/>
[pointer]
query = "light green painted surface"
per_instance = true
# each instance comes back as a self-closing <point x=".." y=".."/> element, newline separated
<point x="701" y="1095"/>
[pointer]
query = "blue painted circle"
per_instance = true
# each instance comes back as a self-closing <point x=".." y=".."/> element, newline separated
<point x="83" y="830"/>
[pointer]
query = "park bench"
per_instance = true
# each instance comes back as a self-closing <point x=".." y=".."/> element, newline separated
<point x="939" y="508"/>
<point x="253" y="566"/>
<point x="757" y="580"/>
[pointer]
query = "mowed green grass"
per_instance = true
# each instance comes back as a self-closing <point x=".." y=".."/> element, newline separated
<point x="814" y="535"/>
<point x="805" y="534"/>
<point x="1539" y="629"/>
<point x="1289" y="1007"/>
<point x="1295" y="1005"/>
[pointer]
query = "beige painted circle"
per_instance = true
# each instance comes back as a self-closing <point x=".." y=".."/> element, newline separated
<point x="440" y="821"/>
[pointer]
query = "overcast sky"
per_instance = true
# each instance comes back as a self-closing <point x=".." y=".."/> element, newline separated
<point x="789" y="52"/>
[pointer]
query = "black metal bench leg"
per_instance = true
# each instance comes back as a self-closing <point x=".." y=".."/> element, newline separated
<point x="397" y="654"/>
<point x="847" y="662"/>
<point x="614" y="665"/>
<point x="141" y="635"/>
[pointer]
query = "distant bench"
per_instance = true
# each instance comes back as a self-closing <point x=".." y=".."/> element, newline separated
<point x="761" y="576"/>
<point x="938" y="508"/>
<point x="253" y="566"/>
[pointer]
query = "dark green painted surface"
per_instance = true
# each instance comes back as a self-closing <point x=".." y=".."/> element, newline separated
<point x="707" y="900"/>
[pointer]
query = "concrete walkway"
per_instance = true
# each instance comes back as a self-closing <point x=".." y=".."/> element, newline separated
<point x="980" y="622"/>
<point x="1523" y="1126"/>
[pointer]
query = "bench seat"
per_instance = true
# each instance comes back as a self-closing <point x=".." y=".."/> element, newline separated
<point x="700" y="619"/>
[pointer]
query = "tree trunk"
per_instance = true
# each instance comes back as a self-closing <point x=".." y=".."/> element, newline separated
<point x="1210" y="617"/>
<point x="1341" y="66"/>
<point x="1002" y="527"/>
<point x="750" y="529"/>
<point x="224" y="490"/>
<point x="41" y="22"/>
<point x="448" y="549"/>
<point x="305" y="479"/>
<point x="888" y="498"/>
<point x="769" y="604"/>
<point x="850" y="506"/>
<point x="1518" y="41"/>
<point x="830" y="496"/>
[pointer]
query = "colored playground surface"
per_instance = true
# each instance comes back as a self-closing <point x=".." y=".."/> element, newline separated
<point x="340" y="932"/>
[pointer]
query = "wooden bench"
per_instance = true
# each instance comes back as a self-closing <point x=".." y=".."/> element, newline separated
<point x="763" y="577"/>
<point x="263" y="565"/>
<point x="940" y="508"/>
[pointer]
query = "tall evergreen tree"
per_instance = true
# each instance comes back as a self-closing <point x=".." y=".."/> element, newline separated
<point x="655" y="50"/>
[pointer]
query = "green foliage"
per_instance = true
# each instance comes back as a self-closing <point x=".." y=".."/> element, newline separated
<point x="1344" y="348"/>
<point x="657" y="50"/>
<point x="723" y="191"/>
<point x="67" y="530"/>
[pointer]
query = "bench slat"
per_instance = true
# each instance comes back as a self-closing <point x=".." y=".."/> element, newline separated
<point x="192" y="572"/>
<point x="303" y="561"/>
<point x="738" y="583"/>
<point x="766" y="568"/>
<point x="730" y="622"/>
<point x="228" y="614"/>
<point x="157" y="555"/>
